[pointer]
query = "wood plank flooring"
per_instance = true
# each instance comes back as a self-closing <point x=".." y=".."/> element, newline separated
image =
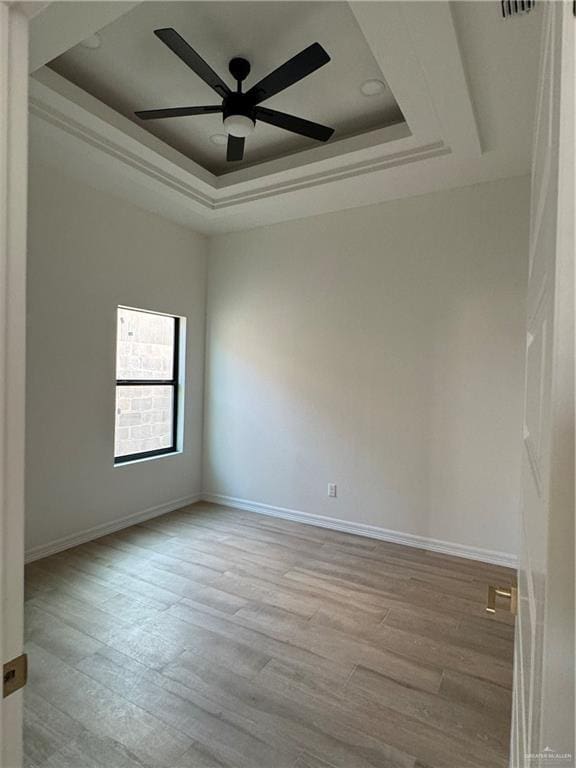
<point x="212" y="638"/>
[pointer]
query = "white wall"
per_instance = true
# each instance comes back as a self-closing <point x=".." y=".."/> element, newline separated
<point x="89" y="252"/>
<point x="381" y="349"/>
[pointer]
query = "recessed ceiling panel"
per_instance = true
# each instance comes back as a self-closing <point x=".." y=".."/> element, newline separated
<point x="131" y="69"/>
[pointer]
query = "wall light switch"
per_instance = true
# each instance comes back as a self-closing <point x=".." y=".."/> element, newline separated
<point x="332" y="490"/>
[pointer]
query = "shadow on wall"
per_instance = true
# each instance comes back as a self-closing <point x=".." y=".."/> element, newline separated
<point x="358" y="349"/>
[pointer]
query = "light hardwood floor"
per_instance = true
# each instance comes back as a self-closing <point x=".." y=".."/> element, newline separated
<point x="210" y="637"/>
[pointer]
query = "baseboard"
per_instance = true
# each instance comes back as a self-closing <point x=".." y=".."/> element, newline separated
<point x="359" y="529"/>
<point x="89" y="534"/>
<point x="370" y="531"/>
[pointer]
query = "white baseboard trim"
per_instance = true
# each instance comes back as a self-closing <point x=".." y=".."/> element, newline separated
<point x="332" y="523"/>
<point x="370" y="531"/>
<point x="89" y="534"/>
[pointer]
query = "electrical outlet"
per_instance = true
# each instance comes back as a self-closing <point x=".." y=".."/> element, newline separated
<point x="332" y="490"/>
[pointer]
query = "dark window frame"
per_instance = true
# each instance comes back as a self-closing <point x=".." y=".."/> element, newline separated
<point x="172" y="382"/>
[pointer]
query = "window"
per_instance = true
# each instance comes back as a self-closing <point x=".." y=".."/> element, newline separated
<point x="147" y="362"/>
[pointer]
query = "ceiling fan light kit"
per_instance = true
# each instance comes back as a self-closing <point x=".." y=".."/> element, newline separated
<point x="239" y="125"/>
<point x="240" y="110"/>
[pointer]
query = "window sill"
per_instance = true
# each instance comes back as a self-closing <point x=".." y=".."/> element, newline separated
<point x="118" y="464"/>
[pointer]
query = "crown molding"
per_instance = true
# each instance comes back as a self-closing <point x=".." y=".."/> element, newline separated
<point x="88" y="121"/>
<point x="156" y="170"/>
<point x="379" y="163"/>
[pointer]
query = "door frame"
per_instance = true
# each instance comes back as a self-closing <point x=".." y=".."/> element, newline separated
<point x="543" y="692"/>
<point x="65" y="27"/>
<point x="13" y="222"/>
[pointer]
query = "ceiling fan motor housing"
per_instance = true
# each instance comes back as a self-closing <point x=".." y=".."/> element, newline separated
<point x="238" y="104"/>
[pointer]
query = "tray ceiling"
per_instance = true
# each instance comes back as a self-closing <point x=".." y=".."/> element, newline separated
<point x="133" y="70"/>
<point x="464" y="80"/>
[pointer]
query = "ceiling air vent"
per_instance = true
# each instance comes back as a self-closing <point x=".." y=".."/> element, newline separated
<point x="516" y="7"/>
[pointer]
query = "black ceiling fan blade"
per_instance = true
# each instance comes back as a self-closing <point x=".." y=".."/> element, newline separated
<point x="294" y="124"/>
<point x="188" y="55"/>
<point x="159" y="114"/>
<point x="235" y="150"/>
<point x="299" y="66"/>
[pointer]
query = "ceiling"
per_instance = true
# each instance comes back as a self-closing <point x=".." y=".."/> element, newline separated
<point x="132" y="70"/>
<point x="500" y="58"/>
<point x="461" y="80"/>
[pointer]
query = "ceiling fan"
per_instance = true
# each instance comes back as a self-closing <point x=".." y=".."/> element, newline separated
<point x="241" y="110"/>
